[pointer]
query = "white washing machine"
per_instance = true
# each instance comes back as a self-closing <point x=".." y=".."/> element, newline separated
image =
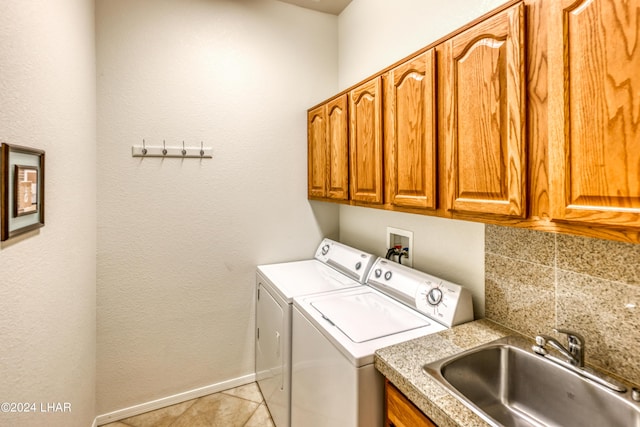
<point x="335" y="266"/>
<point x="335" y="335"/>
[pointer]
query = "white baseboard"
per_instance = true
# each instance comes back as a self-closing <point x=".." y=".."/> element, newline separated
<point x="171" y="400"/>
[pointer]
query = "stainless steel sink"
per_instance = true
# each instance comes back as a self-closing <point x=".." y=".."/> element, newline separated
<point x="507" y="384"/>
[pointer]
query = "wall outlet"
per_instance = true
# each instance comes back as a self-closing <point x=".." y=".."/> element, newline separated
<point x="403" y="238"/>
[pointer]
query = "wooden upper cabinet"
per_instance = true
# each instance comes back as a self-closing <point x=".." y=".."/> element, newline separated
<point x="338" y="149"/>
<point x="594" y="102"/>
<point x="410" y="132"/>
<point x="365" y="142"/>
<point x="316" y="152"/>
<point x="328" y="150"/>
<point x="483" y="115"/>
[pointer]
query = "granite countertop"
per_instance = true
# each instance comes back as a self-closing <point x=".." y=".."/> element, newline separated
<point x="402" y="365"/>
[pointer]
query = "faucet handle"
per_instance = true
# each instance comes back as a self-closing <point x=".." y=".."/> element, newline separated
<point x="576" y="344"/>
<point x="574" y="338"/>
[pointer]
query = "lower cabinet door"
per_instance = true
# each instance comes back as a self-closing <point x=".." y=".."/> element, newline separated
<point x="400" y="412"/>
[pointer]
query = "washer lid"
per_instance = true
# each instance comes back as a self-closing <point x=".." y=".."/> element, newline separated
<point x="367" y="316"/>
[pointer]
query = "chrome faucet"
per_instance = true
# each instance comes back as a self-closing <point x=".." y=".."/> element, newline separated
<point x="574" y="351"/>
<point x="574" y="354"/>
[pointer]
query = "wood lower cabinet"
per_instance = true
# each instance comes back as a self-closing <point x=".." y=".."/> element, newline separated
<point x="594" y="111"/>
<point x="410" y="132"/>
<point x="400" y="412"/>
<point x="365" y="142"/>
<point x="328" y="150"/>
<point x="482" y="109"/>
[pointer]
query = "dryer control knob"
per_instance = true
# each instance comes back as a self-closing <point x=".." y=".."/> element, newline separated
<point x="378" y="273"/>
<point x="358" y="265"/>
<point x="387" y="275"/>
<point x="325" y="249"/>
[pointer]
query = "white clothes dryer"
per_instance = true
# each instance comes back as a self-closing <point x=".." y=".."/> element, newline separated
<point x="336" y="334"/>
<point x="334" y="267"/>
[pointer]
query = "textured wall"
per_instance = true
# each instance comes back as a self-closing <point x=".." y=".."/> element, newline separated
<point x="376" y="33"/>
<point x="179" y="239"/>
<point x="373" y="35"/>
<point x="48" y="277"/>
<point x="538" y="281"/>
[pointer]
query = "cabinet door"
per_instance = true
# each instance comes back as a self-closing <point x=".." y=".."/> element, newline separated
<point x="410" y="131"/>
<point x="337" y="149"/>
<point x="316" y="152"/>
<point x="365" y="141"/>
<point x="485" y="106"/>
<point x="400" y="412"/>
<point x="594" y="101"/>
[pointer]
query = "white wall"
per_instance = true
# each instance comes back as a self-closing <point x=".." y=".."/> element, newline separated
<point x="374" y="34"/>
<point x="179" y="240"/>
<point x="48" y="277"/>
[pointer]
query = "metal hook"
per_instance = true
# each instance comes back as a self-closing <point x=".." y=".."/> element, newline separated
<point x="184" y="152"/>
<point x="164" y="148"/>
<point x="201" y="149"/>
<point x="144" y="149"/>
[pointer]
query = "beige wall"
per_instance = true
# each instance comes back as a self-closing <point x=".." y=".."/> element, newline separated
<point x="48" y="277"/>
<point x="179" y="240"/>
<point x="374" y="34"/>
<point x="538" y="281"/>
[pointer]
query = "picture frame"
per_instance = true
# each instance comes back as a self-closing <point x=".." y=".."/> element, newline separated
<point x="21" y="190"/>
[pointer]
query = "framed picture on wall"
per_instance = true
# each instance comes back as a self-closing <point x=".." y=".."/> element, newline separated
<point x="21" y="190"/>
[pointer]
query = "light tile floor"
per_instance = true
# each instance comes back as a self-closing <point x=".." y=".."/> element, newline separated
<point x="238" y="407"/>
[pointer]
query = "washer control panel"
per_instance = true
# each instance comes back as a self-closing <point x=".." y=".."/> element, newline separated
<point x="436" y="298"/>
<point x="443" y="301"/>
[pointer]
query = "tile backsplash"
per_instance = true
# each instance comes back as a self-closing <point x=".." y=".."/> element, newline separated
<point x="537" y="281"/>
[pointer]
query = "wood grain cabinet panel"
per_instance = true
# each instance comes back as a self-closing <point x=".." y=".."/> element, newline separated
<point x="400" y="412"/>
<point x="316" y="152"/>
<point x="410" y="132"/>
<point x="328" y="150"/>
<point x="338" y="149"/>
<point x="365" y="142"/>
<point x="594" y="97"/>
<point x="484" y="111"/>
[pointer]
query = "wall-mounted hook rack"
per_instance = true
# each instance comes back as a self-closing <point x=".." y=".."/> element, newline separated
<point x="182" y="151"/>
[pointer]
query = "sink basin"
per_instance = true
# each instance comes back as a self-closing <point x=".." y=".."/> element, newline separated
<point x="507" y="384"/>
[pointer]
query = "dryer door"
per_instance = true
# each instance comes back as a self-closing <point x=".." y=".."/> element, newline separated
<point x="271" y="361"/>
